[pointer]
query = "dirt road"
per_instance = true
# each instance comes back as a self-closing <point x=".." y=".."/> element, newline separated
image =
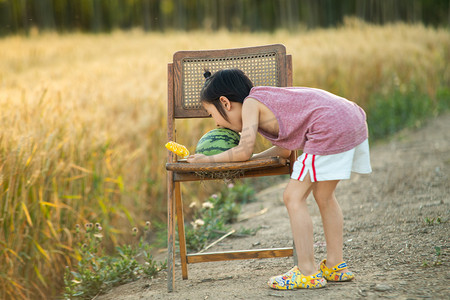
<point x="396" y="233"/>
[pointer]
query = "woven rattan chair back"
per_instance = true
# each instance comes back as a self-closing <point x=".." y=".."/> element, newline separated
<point x="265" y="66"/>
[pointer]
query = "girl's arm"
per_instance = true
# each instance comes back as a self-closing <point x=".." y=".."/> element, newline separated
<point x="243" y="151"/>
<point x="273" y="151"/>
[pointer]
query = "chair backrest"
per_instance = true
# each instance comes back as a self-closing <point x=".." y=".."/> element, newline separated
<point x="264" y="65"/>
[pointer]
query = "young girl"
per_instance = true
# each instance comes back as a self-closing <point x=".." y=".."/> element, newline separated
<point x="331" y="131"/>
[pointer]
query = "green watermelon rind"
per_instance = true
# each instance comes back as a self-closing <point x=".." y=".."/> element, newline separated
<point x="229" y="137"/>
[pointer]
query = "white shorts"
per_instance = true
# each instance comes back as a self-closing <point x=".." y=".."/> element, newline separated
<point x="335" y="166"/>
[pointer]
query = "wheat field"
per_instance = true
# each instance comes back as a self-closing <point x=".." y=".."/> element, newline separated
<point x="83" y="125"/>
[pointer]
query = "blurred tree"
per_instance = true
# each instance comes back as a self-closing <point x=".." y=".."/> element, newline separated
<point x="18" y="16"/>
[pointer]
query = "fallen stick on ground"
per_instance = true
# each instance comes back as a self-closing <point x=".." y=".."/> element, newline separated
<point x="235" y="235"/>
<point x="218" y="240"/>
<point x="249" y="216"/>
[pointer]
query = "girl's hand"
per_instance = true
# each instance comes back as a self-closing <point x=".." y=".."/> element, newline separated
<point x="197" y="158"/>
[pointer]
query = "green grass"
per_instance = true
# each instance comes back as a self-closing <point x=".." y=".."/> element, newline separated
<point x="97" y="272"/>
<point x="388" y="114"/>
<point x="216" y="214"/>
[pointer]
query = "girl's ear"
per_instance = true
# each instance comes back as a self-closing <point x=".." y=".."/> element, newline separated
<point x="225" y="102"/>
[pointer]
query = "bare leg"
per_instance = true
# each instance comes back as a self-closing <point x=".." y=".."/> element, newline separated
<point x="301" y="224"/>
<point x="332" y="219"/>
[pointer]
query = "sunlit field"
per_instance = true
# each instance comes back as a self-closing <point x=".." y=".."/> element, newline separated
<point x="83" y="125"/>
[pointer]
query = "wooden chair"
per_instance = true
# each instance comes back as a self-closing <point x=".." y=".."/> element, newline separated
<point x="265" y="66"/>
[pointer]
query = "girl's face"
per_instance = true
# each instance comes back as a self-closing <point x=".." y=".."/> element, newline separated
<point x="233" y="111"/>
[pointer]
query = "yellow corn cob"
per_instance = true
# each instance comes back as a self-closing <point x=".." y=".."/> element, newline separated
<point x="178" y="149"/>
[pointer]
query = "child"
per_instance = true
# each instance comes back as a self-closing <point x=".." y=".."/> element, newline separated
<point x="331" y="131"/>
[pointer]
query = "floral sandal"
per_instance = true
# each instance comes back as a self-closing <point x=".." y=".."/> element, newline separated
<point x="332" y="274"/>
<point x="294" y="279"/>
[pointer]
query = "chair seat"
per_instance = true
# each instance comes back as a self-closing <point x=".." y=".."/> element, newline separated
<point x="184" y="171"/>
<point x="183" y="166"/>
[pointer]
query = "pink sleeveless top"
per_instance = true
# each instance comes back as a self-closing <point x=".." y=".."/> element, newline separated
<point x="313" y="120"/>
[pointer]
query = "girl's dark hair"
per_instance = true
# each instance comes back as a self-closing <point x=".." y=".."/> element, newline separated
<point x="231" y="83"/>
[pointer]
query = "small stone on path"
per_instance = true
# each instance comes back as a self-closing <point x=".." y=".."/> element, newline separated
<point x="382" y="287"/>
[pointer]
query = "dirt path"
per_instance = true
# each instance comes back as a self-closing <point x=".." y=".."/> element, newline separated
<point x="396" y="221"/>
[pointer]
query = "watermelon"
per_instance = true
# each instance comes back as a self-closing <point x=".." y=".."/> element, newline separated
<point x="217" y="141"/>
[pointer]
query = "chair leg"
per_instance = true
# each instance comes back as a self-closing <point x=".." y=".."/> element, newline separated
<point x="170" y="233"/>
<point x="181" y="233"/>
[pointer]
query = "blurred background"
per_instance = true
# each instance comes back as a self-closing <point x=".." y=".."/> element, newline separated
<point x="235" y="15"/>
<point x="83" y="104"/>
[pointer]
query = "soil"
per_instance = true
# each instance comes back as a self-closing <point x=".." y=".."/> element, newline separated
<point x="396" y="233"/>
